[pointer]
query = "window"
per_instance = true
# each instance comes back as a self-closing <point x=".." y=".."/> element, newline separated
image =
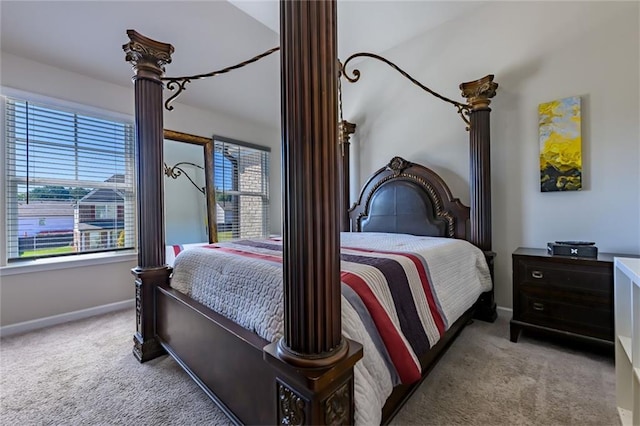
<point x="70" y="182"/>
<point x="241" y="178"/>
<point x="106" y="211"/>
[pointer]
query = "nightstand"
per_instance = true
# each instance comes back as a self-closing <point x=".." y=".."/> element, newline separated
<point x="567" y="296"/>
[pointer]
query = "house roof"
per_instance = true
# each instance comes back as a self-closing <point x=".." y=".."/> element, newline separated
<point x="101" y="196"/>
<point x="105" y="195"/>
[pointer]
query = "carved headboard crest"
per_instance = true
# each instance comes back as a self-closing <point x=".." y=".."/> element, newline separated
<point x="398" y="164"/>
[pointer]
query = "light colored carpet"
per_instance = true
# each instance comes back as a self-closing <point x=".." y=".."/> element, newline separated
<point x="84" y="373"/>
<point x="485" y="379"/>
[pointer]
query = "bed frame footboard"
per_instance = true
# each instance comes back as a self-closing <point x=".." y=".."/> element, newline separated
<point x="251" y="384"/>
<point x="223" y="358"/>
<point x="243" y="373"/>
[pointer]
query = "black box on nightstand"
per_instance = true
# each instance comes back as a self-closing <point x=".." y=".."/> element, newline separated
<point x="573" y="250"/>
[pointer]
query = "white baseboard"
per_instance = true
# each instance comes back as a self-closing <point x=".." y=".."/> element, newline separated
<point x="36" y="324"/>
<point x="502" y="311"/>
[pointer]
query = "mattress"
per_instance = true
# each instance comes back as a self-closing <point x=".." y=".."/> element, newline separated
<point x="400" y="293"/>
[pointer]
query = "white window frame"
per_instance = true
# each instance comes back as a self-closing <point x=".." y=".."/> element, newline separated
<point x="61" y="262"/>
<point x="263" y="194"/>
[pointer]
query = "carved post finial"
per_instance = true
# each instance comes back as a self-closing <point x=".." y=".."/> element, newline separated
<point x="345" y="130"/>
<point x="148" y="57"/>
<point x="479" y="92"/>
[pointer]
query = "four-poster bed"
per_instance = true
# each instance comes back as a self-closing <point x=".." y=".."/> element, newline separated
<point x="306" y="376"/>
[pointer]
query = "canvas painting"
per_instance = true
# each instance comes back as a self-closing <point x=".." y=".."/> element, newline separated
<point x="560" y="145"/>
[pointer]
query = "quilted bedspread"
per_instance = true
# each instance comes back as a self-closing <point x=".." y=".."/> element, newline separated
<point x="400" y="293"/>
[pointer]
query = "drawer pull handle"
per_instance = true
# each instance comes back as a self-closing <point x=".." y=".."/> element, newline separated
<point x="536" y="274"/>
<point x="538" y="306"/>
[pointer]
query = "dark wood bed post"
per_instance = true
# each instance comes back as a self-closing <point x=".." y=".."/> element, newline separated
<point x="148" y="58"/>
<point x="345" y="130"/>
<point x="313" y="362"/>
<point x="479" y="94"/>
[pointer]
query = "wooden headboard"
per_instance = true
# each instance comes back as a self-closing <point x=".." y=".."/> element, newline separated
<point x="408" y="198"/>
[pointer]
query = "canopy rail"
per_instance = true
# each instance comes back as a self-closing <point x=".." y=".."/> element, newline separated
<point x="463" y="109"/>
<point x="179" y="83"/>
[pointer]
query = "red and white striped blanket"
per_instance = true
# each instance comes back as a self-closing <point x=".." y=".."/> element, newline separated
<point x="402" y="293"/>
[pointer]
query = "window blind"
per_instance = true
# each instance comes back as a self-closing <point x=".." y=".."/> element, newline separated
<point x="70" y="182"/>
<point x="241" y="179"/>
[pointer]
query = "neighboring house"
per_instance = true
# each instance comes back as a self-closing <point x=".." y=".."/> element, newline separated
<point x="99" y="218"/>
<point x="94" y="222"/>
<point x="225" y="212"/>
<point x="245" y="176"/>
<point x="221" y="214"/>
<point x="45" y="224"/>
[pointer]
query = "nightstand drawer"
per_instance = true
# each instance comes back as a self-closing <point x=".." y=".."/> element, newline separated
<point x="569" y="296"/>
<point x="587" y="314"/>
<point x="588" y="278"/>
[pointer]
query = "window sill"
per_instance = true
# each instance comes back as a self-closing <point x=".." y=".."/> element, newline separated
<point x="66" y="262"/>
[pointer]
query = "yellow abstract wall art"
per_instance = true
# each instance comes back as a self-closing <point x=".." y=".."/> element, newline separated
<point x="560" y="145"/>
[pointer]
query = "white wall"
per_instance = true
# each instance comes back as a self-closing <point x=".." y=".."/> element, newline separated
<point x="31" y="295"/>
<point x="538" y="51"/>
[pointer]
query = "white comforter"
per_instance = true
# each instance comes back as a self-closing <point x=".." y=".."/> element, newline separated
<point x="249" y="292"/>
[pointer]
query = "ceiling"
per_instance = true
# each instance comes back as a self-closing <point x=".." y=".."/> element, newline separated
<point x="86" y="37"/>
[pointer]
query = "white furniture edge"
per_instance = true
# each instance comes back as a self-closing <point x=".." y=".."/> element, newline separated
<point x="627" y="362"/>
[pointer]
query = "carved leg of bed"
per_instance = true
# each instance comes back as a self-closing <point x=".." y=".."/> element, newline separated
<point x="145" y="344"/>
<point x="486" y="305"/>
<point x="316" y="396"/>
